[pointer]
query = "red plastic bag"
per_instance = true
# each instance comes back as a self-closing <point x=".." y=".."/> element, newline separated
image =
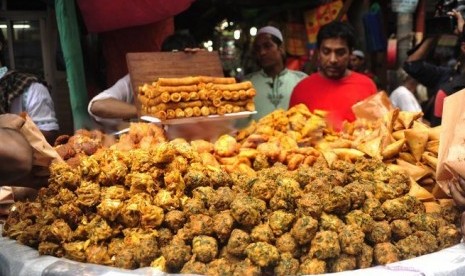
<point x="107" y="15"/>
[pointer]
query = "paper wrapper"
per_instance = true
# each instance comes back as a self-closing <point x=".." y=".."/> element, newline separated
<point x="373" y="107"/>
<point x="43" y="153"/>
<point x="451" y="155"/>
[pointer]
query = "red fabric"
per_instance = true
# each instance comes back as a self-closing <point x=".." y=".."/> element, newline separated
<point x="335" y="96"/>
<point x="107" y="15"/>
<point x="439" y="103"/>
<point x="116" y="44"/>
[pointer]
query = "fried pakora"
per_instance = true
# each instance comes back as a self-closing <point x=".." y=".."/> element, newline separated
<point x="385" y="253"/>
<point x="312" y="266"/>
<point x="263" y="233"/>
<point x="351" y="239"/>
<point x="304" y="229"/>
<point x="287" y="265"/>
<point x="204" y="248"/>
<point x="325" y="245"/>
<point x="342" y="263"/>
<point x="262" y="254"/>
<point x="280" y="222"/>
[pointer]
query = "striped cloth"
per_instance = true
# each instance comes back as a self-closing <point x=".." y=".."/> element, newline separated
<point x="12" y="85"/>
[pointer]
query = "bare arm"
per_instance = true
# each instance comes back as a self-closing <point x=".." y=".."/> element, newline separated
<point x="15" y="156"/>
<point x="114" y="109"/>
<point x="423" y="50"/>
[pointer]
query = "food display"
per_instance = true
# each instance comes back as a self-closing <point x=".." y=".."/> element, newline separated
<point x="171" y="98"/>
<point x="285" y="196"/>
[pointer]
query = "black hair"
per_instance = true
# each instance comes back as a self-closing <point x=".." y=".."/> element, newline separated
<point x="178" y="41"/>
<point x="336" y="29"/>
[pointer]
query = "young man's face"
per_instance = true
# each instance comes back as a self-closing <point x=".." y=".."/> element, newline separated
<point x="356" y="63"/>
<point x="334" y="57"/>
<point x="267" y="52"/>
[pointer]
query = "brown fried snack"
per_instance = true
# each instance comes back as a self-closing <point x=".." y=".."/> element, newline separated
<point x="357" y="193"/>
<point x="204" y="248"/>
<point x="338" y="201"/>
<point x="395" y="209"/>
<point x="280" y="222"/>
<point x="309" y="205"/>
<point x="247" y="210"/>
<point x="325" y="245"/>
<point x="176" y="254"/>
<point x="424" y="222"/>
<point x="98" y="254"/>
<point x="223" y="224"/>
<point x="400" y="228"/>
<point x="351" y="239"/>
<point x="409" y="247"/>
<point x="220" y="267"/>
<point x="174" y="220"/>
<point x="262" y="254"/>
<point x="222" y="199"/>
<point x="164" y="237"/>
<point x="380" y="233"/>
<point x="372" y="207"/>
<point x="194" y="267"/>
<point x="342" y="263"/>
<point x="262" y="232"/>
<point x="361" y="219"/>
<point x="199" y="225"/>
<point x="330" y="222"/>
<point x="447" y="236"/>
<point x="246" y="268"/>
<point x="193" y="206"/>
<point x="385" y="253"/>
<point x="287" y="244"/>
<point x="365" y="258"/>
<point x="304" y="229"/>
<point x="238" y="242"/>
<point x="312" y="266"/>
<point x="264" y="188"/>
<point x="287" y="265"/>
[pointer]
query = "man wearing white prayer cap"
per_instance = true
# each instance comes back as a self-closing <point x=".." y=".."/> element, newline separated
<point x="274" y="82"/>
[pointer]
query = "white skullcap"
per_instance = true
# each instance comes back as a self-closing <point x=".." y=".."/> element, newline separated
<point x="272" y="31"/>
<point x="358" y="53"/>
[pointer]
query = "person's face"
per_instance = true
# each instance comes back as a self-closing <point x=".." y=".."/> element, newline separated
<point x="267" y="52"/>
<point x="334" y="56"/>
<point x="356" y="63"/>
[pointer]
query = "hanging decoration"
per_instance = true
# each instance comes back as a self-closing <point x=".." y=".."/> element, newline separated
<point x="315" y="18"/>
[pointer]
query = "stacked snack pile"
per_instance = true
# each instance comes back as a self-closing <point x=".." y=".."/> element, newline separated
<point x="286" y="196"/>
<point x="170" y="98"/>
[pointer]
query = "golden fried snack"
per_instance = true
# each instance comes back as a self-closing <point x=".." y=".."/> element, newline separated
<point x="262" y="254"/>
<point x="204" y="248"/>
<point x="217" y="80"/>
<point x="233" y="87"/>
<point x="325" y="245"/>
<point x="385" y="253"/>
<point x="175" y="97"/>
<point x="177" y="81"/>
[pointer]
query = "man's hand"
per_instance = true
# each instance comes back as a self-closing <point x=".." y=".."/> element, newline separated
<point x="460" y="21"/>
<point x="457" y="191"/>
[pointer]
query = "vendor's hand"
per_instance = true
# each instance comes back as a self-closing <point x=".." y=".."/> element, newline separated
<point x="13" y="121"/>
<point x="460" y="21"/>
<point x="457" y="191"/>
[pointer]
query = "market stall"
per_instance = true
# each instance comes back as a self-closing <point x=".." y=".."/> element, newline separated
<point x="286" y="195"/>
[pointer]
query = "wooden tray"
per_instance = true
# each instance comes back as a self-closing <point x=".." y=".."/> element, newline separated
<point x="193" y="120"/>
<point x="148" y="67"/>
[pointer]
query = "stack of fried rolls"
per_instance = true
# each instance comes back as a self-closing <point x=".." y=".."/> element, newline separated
<point x="171" y="98"/>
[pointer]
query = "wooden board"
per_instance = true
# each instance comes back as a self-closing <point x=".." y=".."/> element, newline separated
<point x="148" y="67"/>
